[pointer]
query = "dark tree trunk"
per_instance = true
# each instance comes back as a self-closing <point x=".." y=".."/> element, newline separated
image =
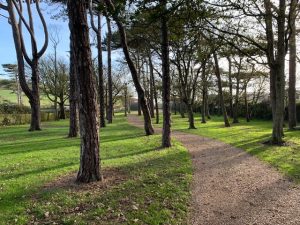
<point x="35" y="114"/>
<point x="125" y="101"/>
<point x="89" y="153"/>
<point x="166" y="80"/>
<point x="203" y="110"/>
<point x="151" y="97"/>
<point x="35" y="101"/>
<point x="153" y="94"/>
<point x="236" y="102"/>
<point x="230" y="86"/>
<point x="221" y="97"/>
<point x="109" y="75"/>
<point x="246" y="105"/>
<point x="204" y="93"/>
<point x="139" y="78"/>
<point x="207" y="113"/>
<point x="181" y="109"/>
<point x="175" y="105"/>
<point x="98" y="30"/>
<point x="62" y="114"/>
<point x="73" y="94"/>
<point x="237" y="95"/>
<point x="276" y="63"/>
<point x="191" y="116"/>
<point x="292" y="69"/>
<point x="139" y="89"/>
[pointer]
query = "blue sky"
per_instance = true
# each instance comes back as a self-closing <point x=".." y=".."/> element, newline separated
<point x="7" y="49"/>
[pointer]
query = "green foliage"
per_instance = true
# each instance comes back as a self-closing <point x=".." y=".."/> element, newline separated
<point x="155" y="189"/>
<point x="6" y="108"/>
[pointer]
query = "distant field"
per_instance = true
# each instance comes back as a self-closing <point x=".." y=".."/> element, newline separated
<point x="7" y="95"/>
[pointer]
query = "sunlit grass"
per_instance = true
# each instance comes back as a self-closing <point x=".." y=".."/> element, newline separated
<point x="157" y="180"/>
<point x="250" y="137"/>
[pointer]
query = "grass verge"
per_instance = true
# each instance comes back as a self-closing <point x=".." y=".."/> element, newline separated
<point x="249" y="137"/>
<point x="148" y="186"/>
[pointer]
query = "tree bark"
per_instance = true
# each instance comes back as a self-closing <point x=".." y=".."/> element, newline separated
<point x="166" y="80"/>
<point x="221" y="97"/>
<point x="109" y="74"/>
<point x="140" y="91"/>
<point x="89" y="153"/>
<point x="35" y="123"/>
<point x="230" y="86"/>
<point x="181" y="108"/>
<point x="191" y="116"/>
<point x="246" y="105"/>
<point x="151" y="97"/>
<point x="98" y="30"/>
<point x="73" y="94"/>
<point x="292" y="69"/>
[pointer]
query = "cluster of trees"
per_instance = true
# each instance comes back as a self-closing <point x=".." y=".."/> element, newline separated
<point x="217" y="54"/>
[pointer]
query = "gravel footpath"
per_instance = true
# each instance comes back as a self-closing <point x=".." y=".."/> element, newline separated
<point x="231" y="187"/>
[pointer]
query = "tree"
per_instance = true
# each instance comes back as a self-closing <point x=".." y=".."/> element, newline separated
<point x="140" y="91"/>
<point x="220" y="89"/>
<point x="292" y="67"/>
<point x="54" y="79"/>
<point x="88" y="119"/>
<point x="109" y="74"/>
<point x="73" y="91"/>
<point x="98" y="29"/>
<point x="270" y="36"/>
<point x="33" y="94"/>
<point x="12" y="71"/>
<point x="166" y="83"/>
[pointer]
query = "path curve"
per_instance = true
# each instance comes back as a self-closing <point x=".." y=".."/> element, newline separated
<point x="231" y="187"/>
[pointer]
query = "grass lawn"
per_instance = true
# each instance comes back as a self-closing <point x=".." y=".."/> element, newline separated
<point x="154" y="188"/>
<point x="7" y="95"/>
<point x="250" y="136"/>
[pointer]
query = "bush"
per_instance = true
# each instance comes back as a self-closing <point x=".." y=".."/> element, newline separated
<point x="8" y="108"/>
<point x="6" y="122"/>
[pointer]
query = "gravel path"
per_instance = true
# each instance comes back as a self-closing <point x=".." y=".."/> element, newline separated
<point x="231" y="187"/>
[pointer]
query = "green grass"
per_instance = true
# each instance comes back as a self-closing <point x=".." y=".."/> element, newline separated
<point x="249" y="137"/>
<point x="7" y="95"/>
<point x="155" y="189"/>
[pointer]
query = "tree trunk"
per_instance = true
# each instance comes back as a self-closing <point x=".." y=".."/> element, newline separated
<point x="230" y="86"/>
<point x="62" y="114"/>
<point x="191" y="116"/>
<point x="89" y="153"/>
<point x="139" y="89"/>
<point x="175" y="105"/>
<point x="277" y="80"/>
<point x="151" y="97"/>
<point x="35" y="101"/>
<point x="109" y="75"/>
<point x="181" y="109"/>
<point x="204" y="93"/>
<point x="221" y="97"/>
<point x="246" y="105"/>
<point x="73" y="90"/>
<point x="125" y="101"/>
<point x="35" y="114"/>
<point x="236" y="102"/>
<point x="166" y="80"/>
<point x="139" y="78"/>
<point x="154" y="89"/>
<point x="292" y="69"/>
<point x="100" y="74"/>
<point x="207" y="113"/>
<point x="203" y="110"/>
